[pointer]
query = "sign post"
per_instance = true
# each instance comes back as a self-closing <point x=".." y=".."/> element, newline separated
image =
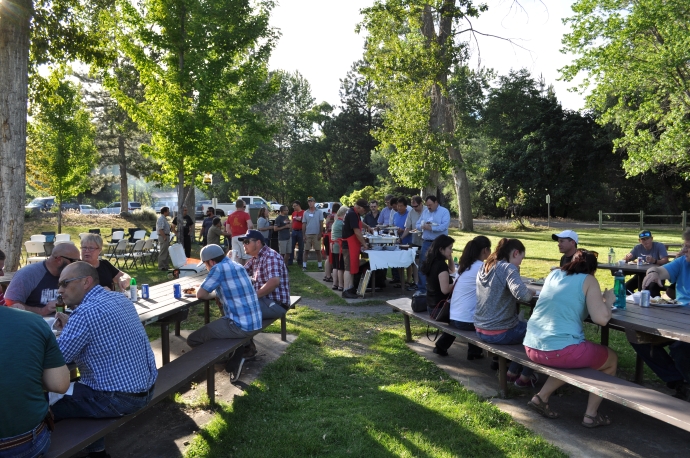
<point x="548" y="210"/>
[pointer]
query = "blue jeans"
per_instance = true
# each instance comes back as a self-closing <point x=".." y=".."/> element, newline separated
<point x="421" y="285"/>
<point x="297" y="239"/>
<point x="38" y="446"/>
<point x="446" y="340"/>
<point x="512" y="336"/>
<point x="670" y="368"/>
<point x="88" y="403"/>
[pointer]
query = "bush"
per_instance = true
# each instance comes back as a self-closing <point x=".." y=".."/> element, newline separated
<point x="368" y="193"/>
<point x="143" y="216"/>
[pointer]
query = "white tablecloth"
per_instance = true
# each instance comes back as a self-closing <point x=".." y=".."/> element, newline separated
<point x="386" y="259"/>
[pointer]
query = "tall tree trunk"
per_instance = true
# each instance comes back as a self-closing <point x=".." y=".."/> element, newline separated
<point x="14" y="83"/>
<point x="124" y="187"/>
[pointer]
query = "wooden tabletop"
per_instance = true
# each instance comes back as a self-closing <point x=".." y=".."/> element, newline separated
<point x="161" y="301"/>
<point x="5" y="279"/>
<point x="628" y="269"/>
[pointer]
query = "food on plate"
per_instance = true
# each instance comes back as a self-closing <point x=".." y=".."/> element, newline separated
<point x="191" y="290"/>
<point x="662" y="300"/>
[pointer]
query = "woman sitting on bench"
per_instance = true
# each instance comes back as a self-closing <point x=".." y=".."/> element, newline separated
<point x="555" y="336"/>
<point x="496" y="319"/>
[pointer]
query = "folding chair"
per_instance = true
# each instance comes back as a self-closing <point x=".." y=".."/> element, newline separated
<point x="50" y="236"/>
<point x="35" y="252"/>
<point x="38" y="238"/>
<point x="95" y="231"/>
<point x="114" y="240"/>
<point x="63" y="238"/>
<point x="119" y="252"/>
<point x="136" y="252"/>
<point x="149" y="251"/>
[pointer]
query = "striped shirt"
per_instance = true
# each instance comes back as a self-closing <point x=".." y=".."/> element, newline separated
<point x="106" y="340"/>
<point x="266" y="265"/>
<point x="234" y="289"/>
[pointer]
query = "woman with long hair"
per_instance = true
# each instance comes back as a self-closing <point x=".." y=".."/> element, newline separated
<point x="555" y="335"/>
<point x="437" y="266"/>
<point x="262" y="223"/>
<point x="464" y="299"/>
<point x="496" y="318"/>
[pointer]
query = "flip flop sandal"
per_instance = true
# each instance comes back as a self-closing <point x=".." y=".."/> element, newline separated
<point x="598" y="420"/>
<point x="328" y="279"/>
<point x="543" y="409"/>
<point x="336" y="288"/>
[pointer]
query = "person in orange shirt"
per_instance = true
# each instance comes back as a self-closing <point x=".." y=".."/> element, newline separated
<point x="237" y="224"/>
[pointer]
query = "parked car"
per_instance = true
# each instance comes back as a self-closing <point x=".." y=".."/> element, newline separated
<point x="327" y="207"/>
<point x="199" y="209"/>
<point x="172" y="205"/>
<point x="114" y="208"/>
<point x="275" y="206"/>
<point x="88" y="210"/>
<point x="71" y="205"/>
<point x="41" y="204"/>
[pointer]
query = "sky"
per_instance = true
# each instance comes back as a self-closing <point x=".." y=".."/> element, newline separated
<point x="319" y="40"/>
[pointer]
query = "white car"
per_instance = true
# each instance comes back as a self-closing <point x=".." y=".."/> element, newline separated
<point x="275" y="206"/>
<point x="88" y="210"/>
<point x="114" y="208"/>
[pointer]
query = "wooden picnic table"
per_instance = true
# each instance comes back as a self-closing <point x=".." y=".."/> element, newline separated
<point x="7" y="278"/>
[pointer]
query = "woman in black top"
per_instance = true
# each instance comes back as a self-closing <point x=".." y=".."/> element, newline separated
<point x="437" y="267"/>
<point x="108" y="275"/>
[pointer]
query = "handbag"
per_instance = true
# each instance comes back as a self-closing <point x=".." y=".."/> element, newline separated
<point x="441" y="312"/>
<point x="419" y="303"/>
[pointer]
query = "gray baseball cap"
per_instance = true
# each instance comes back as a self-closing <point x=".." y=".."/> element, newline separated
<point x="210" y="252"/>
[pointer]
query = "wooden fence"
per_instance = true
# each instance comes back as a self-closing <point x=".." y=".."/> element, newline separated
<point x="683" y="218"/>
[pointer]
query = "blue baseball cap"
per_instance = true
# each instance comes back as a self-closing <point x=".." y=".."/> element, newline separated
<point x="252" y="234"/>
<point x="645" y="234"/>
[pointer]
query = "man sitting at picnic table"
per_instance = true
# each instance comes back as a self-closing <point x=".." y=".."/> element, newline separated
<point x="269" y="276"/>
<point x="567" y="244"/>
<point x="672" y="367"/>
<point x="234" y="294"/>
<point x="653" y="253"/>
<point x="34" y="287"/>
<point x="107" y="341"/>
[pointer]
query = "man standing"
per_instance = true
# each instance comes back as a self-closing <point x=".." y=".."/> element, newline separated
<point x="371" y="219"/>
<point x="352" y="242"/>
<point x="416" y="240"/>
<point x="206" y="224"/>
<point x="297" y="235"/>
<point x="235" y="295"/>
<point x="106" y="340"/>
<point x="269" y="275"/>
<point x="30" y="360"/>
<point x="653" y="253"/>
<point x="237" y="224"/>
<point x="282" y="226"/>
<point x="433" y="222"/>
<point x="35" y="287"/>
<point x="188" y="225"/>
<point x="385" y="215"/>
<point x="399" y="219"/>
<point x="672" y="367"/>
<point x="163" y="230"/>
<point x="312" y="226"/>
<point x="567" y="244"/>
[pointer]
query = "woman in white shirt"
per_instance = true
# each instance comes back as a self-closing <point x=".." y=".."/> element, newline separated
<point x="464" y="295"/>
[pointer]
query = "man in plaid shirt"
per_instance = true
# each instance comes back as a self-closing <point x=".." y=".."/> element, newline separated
<point x="269" y="275"/>
<point x="234" y="294"/>
<point x="106" y="340"/>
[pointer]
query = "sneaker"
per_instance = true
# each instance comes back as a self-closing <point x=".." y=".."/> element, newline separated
<point x="250" y="350"/>
<point x="304" y="269"/>
<point x="350" y="294"/>
<point x="530" y="383"/>
<point x="411" y="287"/>
<point x="320" y="268"/>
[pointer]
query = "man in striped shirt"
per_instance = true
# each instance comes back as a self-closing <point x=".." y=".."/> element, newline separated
<point x="235" y="296"/>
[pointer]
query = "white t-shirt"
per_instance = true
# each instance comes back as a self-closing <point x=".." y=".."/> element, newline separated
<point x="464" y="299"/>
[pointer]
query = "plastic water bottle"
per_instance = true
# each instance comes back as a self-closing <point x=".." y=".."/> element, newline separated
<point x="619" y="290"/>
<point x="133" y="290"/>
<point x="612" y="256"/>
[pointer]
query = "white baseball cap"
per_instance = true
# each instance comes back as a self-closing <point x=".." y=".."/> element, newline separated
<point x="565" y="235"/>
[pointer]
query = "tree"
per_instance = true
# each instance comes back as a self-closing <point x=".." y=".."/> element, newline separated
<point x="61" y="150"/>
<point x="637" y="59"/>
<point x="203" y="66"/>
<point x="56" y="30"/>
<point x="411" y="49"/>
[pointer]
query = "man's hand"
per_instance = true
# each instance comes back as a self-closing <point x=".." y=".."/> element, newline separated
<point x="60" y="321"/>
<point x="49" y="309"/>
<point x="649" y="260"/>
<point x="608" y="296"/>
<point x="628" y="257"/>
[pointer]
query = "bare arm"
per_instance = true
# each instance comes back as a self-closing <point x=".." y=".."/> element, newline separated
<point x="655" y="275"/>
<point x="250" y="225"/>
<point x="598" y="305"/>
<point x="49" y="309"/>
<point x="360" y="237"/>
<point x="444" y="282"/>
<point x="56" y="379"/>
<point x="268" y="287"/>
<point x="204" y="295"/>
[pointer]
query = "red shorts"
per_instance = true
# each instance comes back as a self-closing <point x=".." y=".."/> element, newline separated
<point x="585" y="354"/>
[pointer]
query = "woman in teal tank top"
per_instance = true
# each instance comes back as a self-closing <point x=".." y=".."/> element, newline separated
<point x="555" y="336"/>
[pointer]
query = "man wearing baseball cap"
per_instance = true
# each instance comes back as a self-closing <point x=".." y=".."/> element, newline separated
<point x="653" y="253"/>
<point x="567" y="244"/>
<point x="235" y="296"/>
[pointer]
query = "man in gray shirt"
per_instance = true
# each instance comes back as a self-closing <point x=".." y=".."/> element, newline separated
<point x="312" y="228"/>
<point x="163" y="230"/>
<point x="653" y="253"/>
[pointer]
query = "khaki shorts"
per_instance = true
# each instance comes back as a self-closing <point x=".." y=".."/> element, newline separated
<point x="284" y="246"/>
<point x="239" y="247"/>
<point x="312" y="241"/>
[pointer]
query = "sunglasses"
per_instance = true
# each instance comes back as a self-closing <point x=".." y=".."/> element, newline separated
<point x="64" y="283"/>
<point x="247" y="241"/>
<point x="71" y="260"/>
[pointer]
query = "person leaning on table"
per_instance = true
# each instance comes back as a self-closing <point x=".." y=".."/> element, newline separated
<point x="672" y="367"/>
<point x="555" y="335"/>
<point x="108" y="274"/>
<point x="653" y="253"/>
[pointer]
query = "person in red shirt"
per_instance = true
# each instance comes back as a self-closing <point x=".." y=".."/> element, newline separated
<point x="297" y="237"/>
<point x="237" y="224"/>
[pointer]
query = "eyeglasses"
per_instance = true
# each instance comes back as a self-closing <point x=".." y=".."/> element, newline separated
<point x="63" y="283"/>
<point x="69" y="259"/>
<point x="89" y="248"/>
<point x="414" y="206"/>
<point x="246" y="241"/>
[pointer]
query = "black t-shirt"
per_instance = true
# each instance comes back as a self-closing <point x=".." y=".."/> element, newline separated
<point x="106" y="273"/>
<point x="350" y="223"/>
<point x="433" y="287"/>
<point x="371" y="220"/>
<point x="565" y="260"/>
<point x="188" y="223"/>
<point x="280" y="222"/>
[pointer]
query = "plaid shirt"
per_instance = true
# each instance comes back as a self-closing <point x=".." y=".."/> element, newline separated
<point x="266" y="265"/>
<point x="106" y="340"/>
<point x="234" y="289"/>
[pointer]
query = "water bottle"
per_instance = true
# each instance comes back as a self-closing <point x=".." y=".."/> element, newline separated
<point x="619" y="289"/>
<point x="133" y="290"/>
<point x="612" y="256"/>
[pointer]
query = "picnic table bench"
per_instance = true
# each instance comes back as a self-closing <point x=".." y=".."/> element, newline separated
<point x="650" y="402"/>
<point x="72" y="435"/>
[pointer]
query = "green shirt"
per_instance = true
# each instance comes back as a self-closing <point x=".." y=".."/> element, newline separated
<point x="28" y="347"/>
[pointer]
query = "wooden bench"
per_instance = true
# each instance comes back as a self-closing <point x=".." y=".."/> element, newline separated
<point x="650" y="402"/>
<point x="73" y="434"/>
